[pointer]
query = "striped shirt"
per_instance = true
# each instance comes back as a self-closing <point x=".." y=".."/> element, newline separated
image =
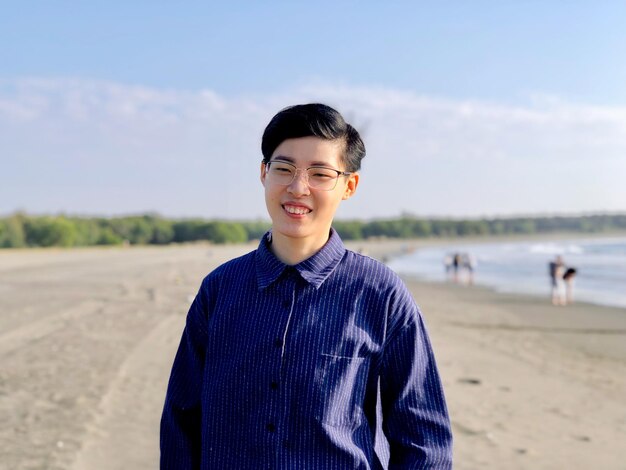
<point x="322" y="365"/>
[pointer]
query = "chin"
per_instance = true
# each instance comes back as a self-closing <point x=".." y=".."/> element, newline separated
<point x="290" y="231"/>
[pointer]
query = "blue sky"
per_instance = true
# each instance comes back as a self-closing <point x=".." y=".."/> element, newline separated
<point x="467" y="108"/>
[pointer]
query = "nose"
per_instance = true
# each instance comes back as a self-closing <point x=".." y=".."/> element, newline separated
<point x="300" y="184"/>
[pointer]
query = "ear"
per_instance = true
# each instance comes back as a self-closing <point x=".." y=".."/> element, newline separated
<point x="263" y="173"/>
<point x="352" y="183"/>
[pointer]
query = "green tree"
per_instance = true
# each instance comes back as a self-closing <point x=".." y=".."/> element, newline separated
<point x="226" y="232"/>
<point x="137" y="230"/>
<point x="87" y="231"/>
<point x="349" y="230"/>
<point x="108" y="237"/>
<point x="162" y="231"/>
<point x="50" y="231"/>
<point x="444" y="228"/>
<point x="187" y="230"/>
<point x="12" y="232"/>
<point x="422" y="228"/>
<point x="256" y="229"/>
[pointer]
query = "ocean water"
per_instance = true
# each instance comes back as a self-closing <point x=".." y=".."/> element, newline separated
<point x="522" y="267"/>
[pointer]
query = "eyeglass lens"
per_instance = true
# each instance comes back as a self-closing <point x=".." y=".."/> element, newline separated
<point x="284" y="173"/>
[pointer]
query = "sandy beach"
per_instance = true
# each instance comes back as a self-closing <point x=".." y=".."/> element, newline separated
<point x="88" y="336"/>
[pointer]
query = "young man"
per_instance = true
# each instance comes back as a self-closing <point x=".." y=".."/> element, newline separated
<point x="302" y="354"/>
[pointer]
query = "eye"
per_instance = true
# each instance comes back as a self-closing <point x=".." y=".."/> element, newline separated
<point x="281" y="168"/>
<point x="322" y="173"/>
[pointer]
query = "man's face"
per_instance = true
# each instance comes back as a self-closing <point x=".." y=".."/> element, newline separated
<point x="296" y="210"/>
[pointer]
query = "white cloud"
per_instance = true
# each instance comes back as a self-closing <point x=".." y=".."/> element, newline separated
<point x="102" y="147"/>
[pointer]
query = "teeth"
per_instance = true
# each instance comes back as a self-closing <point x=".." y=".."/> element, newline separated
<point x="297" y="210"/>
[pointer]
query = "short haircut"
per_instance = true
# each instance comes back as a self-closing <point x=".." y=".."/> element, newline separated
<point x="313" y="120"/>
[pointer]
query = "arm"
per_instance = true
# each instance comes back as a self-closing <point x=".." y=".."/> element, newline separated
<point x="415" y="417"/>
<point x="181" y="419"/>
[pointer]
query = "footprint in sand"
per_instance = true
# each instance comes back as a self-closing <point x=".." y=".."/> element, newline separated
<point x="469" y="381"/>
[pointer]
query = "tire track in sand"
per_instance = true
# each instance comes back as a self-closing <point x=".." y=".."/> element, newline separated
<point x="125" y="430"/>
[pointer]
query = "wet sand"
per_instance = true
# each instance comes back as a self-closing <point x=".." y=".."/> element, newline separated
<point x="87" y="339"/>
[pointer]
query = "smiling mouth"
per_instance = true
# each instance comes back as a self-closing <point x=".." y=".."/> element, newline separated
<point x="296" y="210"/>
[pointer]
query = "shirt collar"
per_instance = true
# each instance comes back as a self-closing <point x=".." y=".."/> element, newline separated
<point x="315" y="270"/>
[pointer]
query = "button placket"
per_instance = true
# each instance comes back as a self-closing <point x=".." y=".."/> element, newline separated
<point x="285" y="295"/>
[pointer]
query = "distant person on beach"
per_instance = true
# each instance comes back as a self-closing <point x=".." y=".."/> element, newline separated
<point x="303" y="354"/>
<point x="447" y="265"/>
<point x="469" y="266"/>
<point x="456" y="264"/>
<point x="568" y="278"/>
<point x="556" y="269"/>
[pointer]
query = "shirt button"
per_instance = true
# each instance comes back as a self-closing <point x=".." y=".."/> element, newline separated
<point x="278" y="343"/>
<point x="286" y="303"/>
<point x="274" y="385"/>
<point x="271" y="427"/>
<point x="286" y="444"/>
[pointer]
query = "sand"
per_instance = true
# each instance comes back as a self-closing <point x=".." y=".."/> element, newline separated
<point x="529" y="385"/>
<point x="87" y="339"/>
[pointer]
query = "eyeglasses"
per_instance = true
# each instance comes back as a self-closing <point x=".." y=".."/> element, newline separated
<point x="317" y="177"/>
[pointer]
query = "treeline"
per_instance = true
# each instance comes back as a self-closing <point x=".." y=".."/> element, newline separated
<point x="21" y="230"/>
<point x="414" y="227"/>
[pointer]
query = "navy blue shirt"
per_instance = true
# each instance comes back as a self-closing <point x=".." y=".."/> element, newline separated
<point x="321" y="365"/>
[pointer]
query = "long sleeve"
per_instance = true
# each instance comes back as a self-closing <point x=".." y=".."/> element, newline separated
<point x="415" y="417"/>
<point x="181" y="419"/>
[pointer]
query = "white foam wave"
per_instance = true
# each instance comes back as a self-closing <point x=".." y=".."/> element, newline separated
<point x="556" y="249"/>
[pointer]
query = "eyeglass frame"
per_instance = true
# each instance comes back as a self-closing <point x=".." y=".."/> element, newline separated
<point x="305" y="171"/>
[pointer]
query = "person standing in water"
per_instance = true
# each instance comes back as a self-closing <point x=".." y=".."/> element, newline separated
<point x="556" y="269"/>
<point x="568" y="278"/>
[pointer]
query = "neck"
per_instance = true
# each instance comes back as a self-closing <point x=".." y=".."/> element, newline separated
<point x="292" y="251"/>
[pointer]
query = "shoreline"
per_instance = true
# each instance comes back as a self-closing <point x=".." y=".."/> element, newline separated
<point x="583" y="293"/>
<point x="512" y="292"/>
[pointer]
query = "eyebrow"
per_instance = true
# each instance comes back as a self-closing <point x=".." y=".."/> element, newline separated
<point x="284" y="158"/>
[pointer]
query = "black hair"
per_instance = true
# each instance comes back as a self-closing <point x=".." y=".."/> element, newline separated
<point x="313" y="120"/>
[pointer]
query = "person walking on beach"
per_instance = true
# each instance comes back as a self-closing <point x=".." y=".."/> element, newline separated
<point x="304" y="354"/>
<point x="556" y="269"/>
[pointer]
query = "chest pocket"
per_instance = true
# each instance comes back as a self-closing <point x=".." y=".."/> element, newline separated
<point x="340" y="384"/>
